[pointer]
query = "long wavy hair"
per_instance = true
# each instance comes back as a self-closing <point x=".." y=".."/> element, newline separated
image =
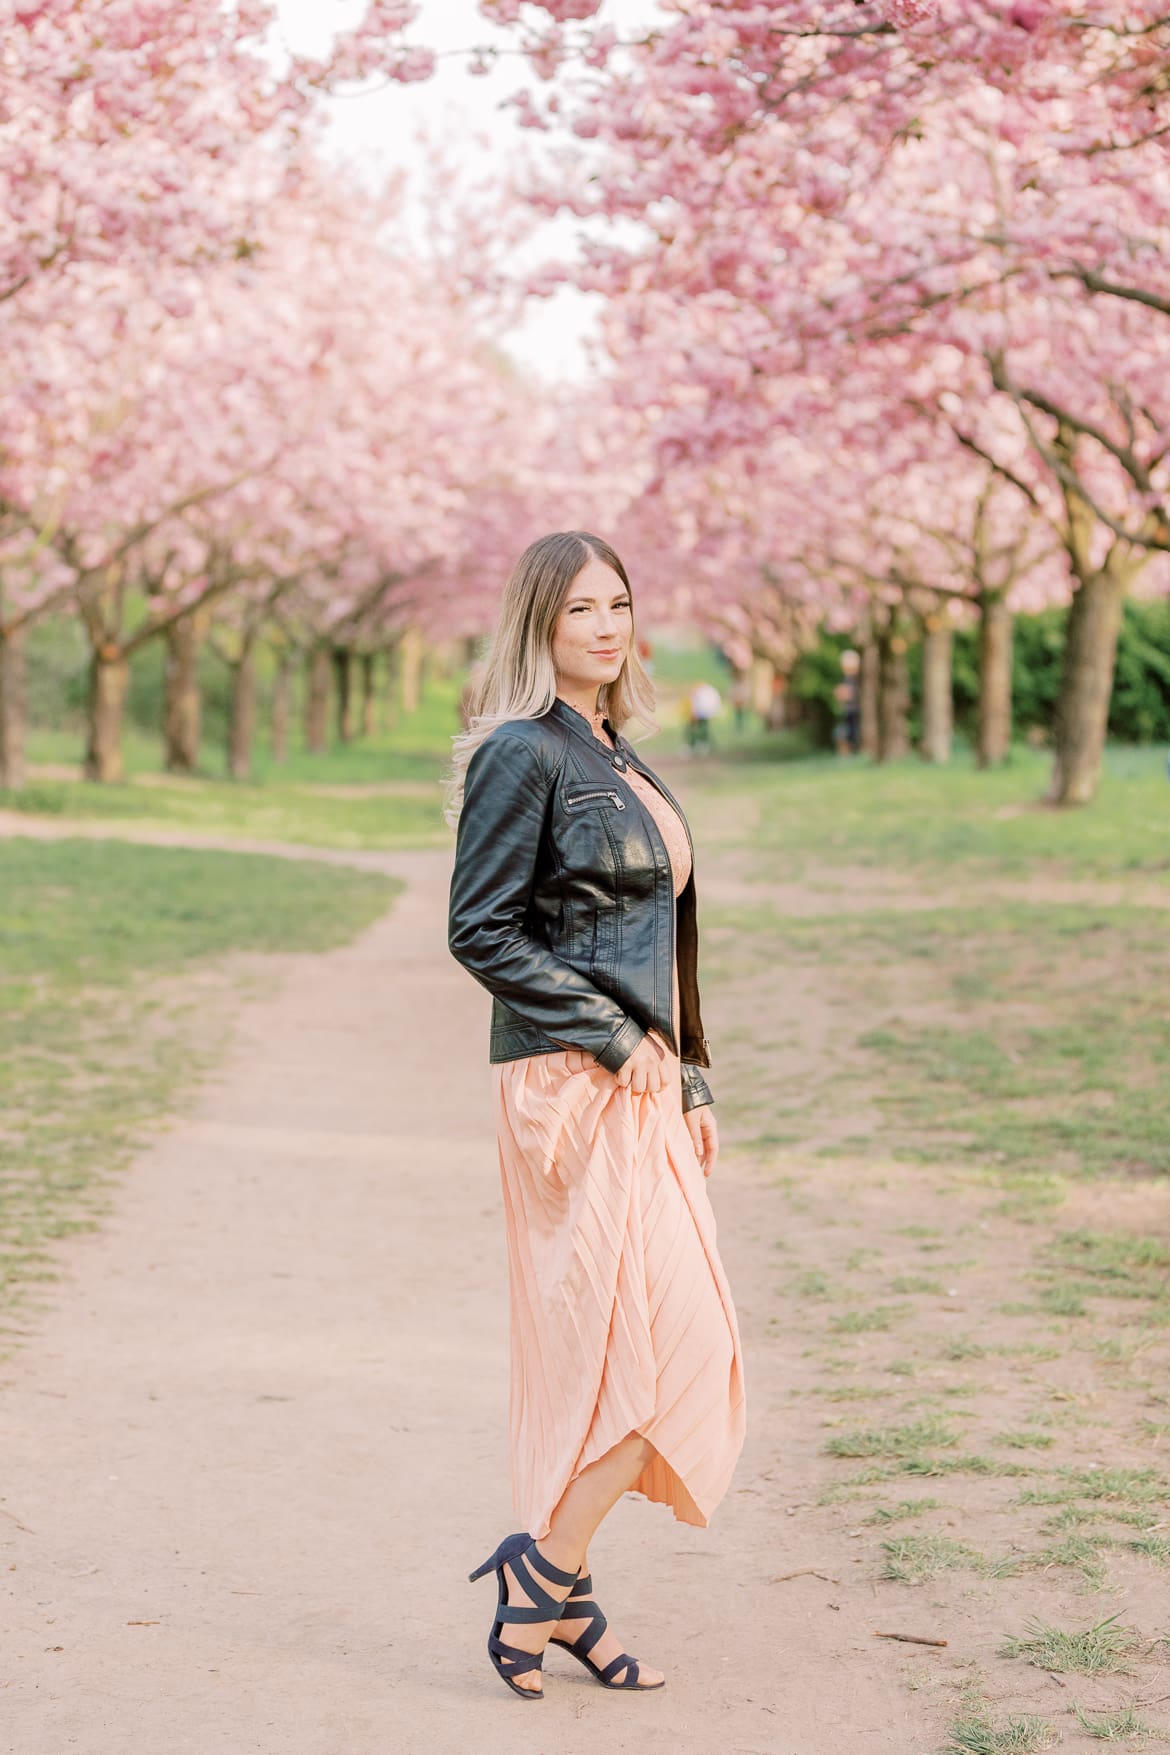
<point x="519" y="678"/>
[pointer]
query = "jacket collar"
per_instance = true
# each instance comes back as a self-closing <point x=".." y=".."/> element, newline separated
<point x="579" y="726"/>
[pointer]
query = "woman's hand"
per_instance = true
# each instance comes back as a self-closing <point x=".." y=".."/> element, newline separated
<point x="646" y="1070"/>
<point x="704" y="1135"/>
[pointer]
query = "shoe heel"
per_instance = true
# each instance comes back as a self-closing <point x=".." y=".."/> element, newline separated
<point x="510" y="1546"/>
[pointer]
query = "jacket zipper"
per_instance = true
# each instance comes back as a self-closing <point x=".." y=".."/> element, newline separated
<point x="583" y="798"/>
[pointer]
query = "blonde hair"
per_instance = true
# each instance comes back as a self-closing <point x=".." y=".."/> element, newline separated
<point x="519" y="678"/>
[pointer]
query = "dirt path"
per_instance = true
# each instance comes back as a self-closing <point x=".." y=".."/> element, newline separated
<point x="255" y="1440"/>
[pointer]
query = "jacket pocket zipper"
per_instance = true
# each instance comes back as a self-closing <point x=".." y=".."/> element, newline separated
<point x="584" y="797"/>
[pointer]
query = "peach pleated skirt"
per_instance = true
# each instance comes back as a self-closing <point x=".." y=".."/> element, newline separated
<point x="621" y="1316"/>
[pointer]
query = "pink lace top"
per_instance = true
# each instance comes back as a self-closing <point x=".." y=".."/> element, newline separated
<point x="670" y="825"/>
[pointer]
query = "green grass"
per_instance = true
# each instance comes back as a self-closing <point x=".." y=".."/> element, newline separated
<point x="312" y="799"/>
<point x="960" y="1349"/>
<point x="918" y="1559"/>
<point x="1100" y="1650"/>
<point x="97" y="1031"/>
<point x="1114" y="1263"/>
<point x="892" y="1441"/>
<point x="414" y="749"/>
<point x="986" y="1021"/>
<point x="910" y="817"/>
<point x="1062" y="1062"/>
<point x="1079" y="1553"/>
<point x="274" y="811"/>
<point x="975" y="1734"/>
<point x="811" y="1284"/>
<point x="1115" y="1485"/>
<point x="1153" y="1547"/>
<point x="883" y="1514"/>
<point x="1123" y="1725"/>
<point x="881" y="1316"/>
<point x="917" y="1463"/>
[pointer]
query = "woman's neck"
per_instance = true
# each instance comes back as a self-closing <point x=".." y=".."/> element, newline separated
<point x="583" y="703"/>
<point x="593" y="718"/>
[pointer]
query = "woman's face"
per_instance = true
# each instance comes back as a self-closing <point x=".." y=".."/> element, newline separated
<point x="592" y="633"/>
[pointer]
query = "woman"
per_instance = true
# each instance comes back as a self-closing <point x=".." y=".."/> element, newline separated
<point x="573" y="903"/>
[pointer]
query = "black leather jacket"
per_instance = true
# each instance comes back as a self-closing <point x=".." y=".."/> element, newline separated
<point x="562" y="899"/>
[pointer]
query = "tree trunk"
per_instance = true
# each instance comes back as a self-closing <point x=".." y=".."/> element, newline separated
<point x="182" y="705"/>
<point x="995" y="681"/>
<point x="369" y="695"/>
<point x="109" y="681"/>
<point x="778" y="705"/>
<point x="13" y="709"/>
<point x="868" y="697"/>
<point x="893" y="739"/>
<point x="317" y="700"/>
<point x="242" y="724"/>
<point x="938" y="719"/>
<point x="281" y="691"/>
<point x="1086" y="683"/>
<point x="393" y="680"/>
<point x="763" y="675"/>
<point x="343" y="672"/>
<point x="411" y="667"/>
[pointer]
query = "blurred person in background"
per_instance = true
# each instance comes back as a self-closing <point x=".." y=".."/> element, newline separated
<point x="847" y="694"/>
<point x="705" y="703"/>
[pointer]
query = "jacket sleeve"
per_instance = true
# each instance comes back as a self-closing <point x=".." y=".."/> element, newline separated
<point x="505" y="796"/>
<point x="695" y="1089"/>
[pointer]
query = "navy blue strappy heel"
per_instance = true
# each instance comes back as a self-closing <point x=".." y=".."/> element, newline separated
<point x="522" y="1554"/>
<point x="586" y="1640"/>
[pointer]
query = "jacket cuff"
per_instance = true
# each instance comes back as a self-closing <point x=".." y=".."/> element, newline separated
<point x="621" y="1044"/>
<point x="695" y="1089"/>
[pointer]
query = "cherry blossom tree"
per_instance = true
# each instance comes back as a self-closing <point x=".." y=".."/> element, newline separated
<point x="983" y="186"/>
<point x="321" y="413"/>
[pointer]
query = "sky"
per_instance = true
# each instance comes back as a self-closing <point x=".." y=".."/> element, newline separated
<point x="379" y="128"/>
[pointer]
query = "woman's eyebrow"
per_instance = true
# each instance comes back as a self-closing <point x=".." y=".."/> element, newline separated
<point x="618" y="596"/>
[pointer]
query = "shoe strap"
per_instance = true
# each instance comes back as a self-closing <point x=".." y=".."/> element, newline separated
<point x="510" y="1660"/>
<point x="545" y="1567"/>
<point x="546" y="1607"/>
<point x="630" y="1680"/>
<point x="587" y="1639"/>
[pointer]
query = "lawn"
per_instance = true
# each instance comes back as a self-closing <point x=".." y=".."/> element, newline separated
<point x="379" y="792"/>
<point x="820" y="812"/>
<point x="929" y="963"/>
<point x="102" y="1021"/>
